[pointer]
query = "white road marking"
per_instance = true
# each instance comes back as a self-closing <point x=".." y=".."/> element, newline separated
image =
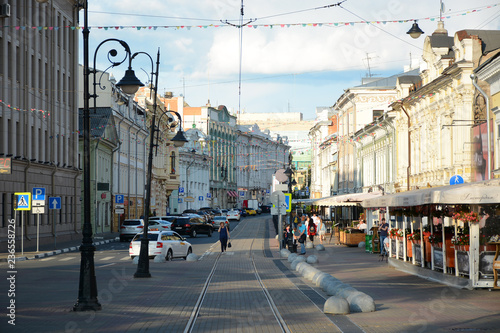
<point x="47" y="259"/>
<point x="67" y="259"/>
<point x="126" y="258"/>
<point x="106" y="258"/>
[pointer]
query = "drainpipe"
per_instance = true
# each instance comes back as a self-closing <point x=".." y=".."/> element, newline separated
<point x="474" y="83"/>
<point x="409" y="150"/>
<point x="26" y="189"/>
<point x="393" y="150"/>
<point x="136" y="165"/>
<point x="118" y="166"/>
<point x="128" y="168"/>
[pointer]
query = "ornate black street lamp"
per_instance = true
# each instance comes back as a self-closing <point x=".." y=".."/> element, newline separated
<point x="87" y="290"/>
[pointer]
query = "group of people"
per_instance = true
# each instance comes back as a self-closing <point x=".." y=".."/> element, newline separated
<point x="303" y="226"/>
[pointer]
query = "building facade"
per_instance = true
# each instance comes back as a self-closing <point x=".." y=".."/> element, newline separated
<point x="39" y="117"/>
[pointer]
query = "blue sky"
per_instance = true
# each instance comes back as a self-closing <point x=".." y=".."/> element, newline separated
<point x="294" y="67"/>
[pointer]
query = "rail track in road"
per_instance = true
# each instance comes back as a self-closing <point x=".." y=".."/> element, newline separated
<point x="223" y="303"/>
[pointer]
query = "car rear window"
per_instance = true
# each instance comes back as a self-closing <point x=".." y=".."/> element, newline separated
<point x="132" y="222"/>
<point x="181" y="220"/>
<point x="152" y="237"/>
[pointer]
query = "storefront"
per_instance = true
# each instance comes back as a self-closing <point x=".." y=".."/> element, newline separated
<point x="450" y="230"/>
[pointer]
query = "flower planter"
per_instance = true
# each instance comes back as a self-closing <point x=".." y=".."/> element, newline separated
<point x="354" y="239"/>
<point x="484" y="248"/>
<point x="450" y="251"/>
<point x="408" y="248"/>
<point x="461" y="247"/>
<point x="427" y="248"/>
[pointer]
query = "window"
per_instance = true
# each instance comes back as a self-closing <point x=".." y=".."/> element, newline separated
<point x="172" y="163"/>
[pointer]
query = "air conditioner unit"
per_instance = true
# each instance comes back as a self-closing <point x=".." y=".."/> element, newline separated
<point x="5" y="10"/>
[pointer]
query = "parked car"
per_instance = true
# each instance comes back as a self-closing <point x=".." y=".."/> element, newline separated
<point x="233" y="215"/>
<point x="159" y="225"/>
<point x="192" y="226"/>
<point x="168" y="244"/>
<point x="243" y="212"/>
<point x="130" y="228"/>
<point x="168" y="218"/>
<point x="224" y="212"/>
<point x="258" y="210"/>
<point x="216" y="212"/>
<point x="218" y="220"/>
<point x="206" y="213"/>
<point x="266" y="208"/>
<point x="251" y="211"/>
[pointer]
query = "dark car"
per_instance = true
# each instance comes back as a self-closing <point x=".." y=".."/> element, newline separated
<point x="266" y="208"/>
<point x="192" y="226"/>
<point x="243" y="212"/>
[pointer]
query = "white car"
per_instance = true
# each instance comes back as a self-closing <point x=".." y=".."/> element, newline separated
<point x="159" y="225"/>
<point x="234" y="215"/>
<point x="168" y="244"/>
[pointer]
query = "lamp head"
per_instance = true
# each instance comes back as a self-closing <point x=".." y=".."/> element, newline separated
<point x="179" y="139"/>
<point x="129" y="84"/>
<point x="415" y="31"/>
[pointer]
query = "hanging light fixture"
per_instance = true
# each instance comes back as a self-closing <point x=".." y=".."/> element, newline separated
<point x="415" y="30"/>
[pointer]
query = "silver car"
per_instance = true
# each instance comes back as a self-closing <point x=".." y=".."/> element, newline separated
<point x="130" y="228"/>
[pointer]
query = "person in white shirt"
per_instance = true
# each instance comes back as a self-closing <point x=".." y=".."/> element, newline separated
<point x="362" y="225"/>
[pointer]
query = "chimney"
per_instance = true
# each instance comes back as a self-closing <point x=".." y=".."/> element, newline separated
<point x="169" y="94"/>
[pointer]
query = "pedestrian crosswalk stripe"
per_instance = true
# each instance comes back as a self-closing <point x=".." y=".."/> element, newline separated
<point x="67" y="259"/>
<point x="47" y="259"/>
<point x="125" y="258"/>
<point x="106" y="258"/>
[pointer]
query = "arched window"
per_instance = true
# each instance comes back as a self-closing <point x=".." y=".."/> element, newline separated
<point x="172" y="163"/>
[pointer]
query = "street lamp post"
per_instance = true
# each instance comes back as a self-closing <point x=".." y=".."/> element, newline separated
<point x="87" y="290"/>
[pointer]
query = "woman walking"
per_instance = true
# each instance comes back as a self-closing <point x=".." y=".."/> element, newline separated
<point x="223" y="236"/>
<point x="311" y="229"/>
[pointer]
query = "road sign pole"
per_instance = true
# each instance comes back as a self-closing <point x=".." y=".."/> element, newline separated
<point x="22" y="233"/>
<point x="280" y="227"/>
<point x="55" y="228"/>
<point x="37" y="232"/>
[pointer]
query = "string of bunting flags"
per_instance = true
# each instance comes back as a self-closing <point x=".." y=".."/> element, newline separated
<point x="254" y="26"/>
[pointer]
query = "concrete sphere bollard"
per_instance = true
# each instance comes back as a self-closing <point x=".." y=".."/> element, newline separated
<point x="362" y="303"/>
<point x="312" y="259"/>
<point x="192" y="257"/>
<point x="297" y="260"/>
<point x="320" y="247"/>
<point x="284" y="253"/>
<point x="309" y="244"/>
<point x="325" y="281"/>
<point x="332" y="288"/>
<point x="318" y="276"/>
<point x="344" y="290"/>
<point x="336" y="305"/>
<point x="135" y="261"/>
<point x="361" y="244"/>
<point x="292" y="257"/>
<point x="309" y="272"/>
<point x="301" y="266"/>
<point x="159" y="258"/>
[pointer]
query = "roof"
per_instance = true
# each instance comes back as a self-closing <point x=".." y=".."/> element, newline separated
<point x="490" y="38"/>
<point x="99" y="119"/>
<point x="388" y="82"/>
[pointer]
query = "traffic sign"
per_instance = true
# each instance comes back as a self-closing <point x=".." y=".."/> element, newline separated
<point x="38" y="202"/>
<point x="38" y="210"/>
<point x="180" y="200"/>
<point x="38" y="193"/>
<point x="456" y="179"/>
<point x="200" y="198"/>
<point x="189" y="199"/>
<point x="181" y="190"/>
<point x="119" y="211"/>
<point x="23" y="201"/>
<point x="120" y="199"/>
<point x="242" y="194"/>
<point x="54" y="202"/>
<point x="288" y="201"/>
<point x="209" y="195"/>
<point x="277" y="197"/>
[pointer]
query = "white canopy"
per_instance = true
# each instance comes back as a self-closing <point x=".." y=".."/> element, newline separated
<point x="351" y="199"/>
<point x="485" y="192"/>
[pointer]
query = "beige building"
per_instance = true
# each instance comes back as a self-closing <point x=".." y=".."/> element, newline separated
<point x="39" y="117"/>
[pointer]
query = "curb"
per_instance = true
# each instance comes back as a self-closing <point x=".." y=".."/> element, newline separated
<point x="56" y="252"/>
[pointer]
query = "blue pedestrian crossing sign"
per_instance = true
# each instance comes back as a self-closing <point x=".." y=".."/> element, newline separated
<point x="120" y="199"/>
<point x="54" y="202"/>
<point x="456" y="179"/>
<point x="23" y="201"/>
<point x="39" y="193"/>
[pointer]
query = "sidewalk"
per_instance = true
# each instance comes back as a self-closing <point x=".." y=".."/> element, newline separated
<point x="406" y="302"/>
<point x="46" y="250"/>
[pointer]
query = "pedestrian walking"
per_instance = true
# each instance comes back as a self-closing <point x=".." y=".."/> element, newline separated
<point x="288" y="238"/>
<point x="224" y="236"/>
<point x="383" y="230"/>
<point x="322" y="230"/>
<point x="302" y="233"/>
<point x="311" y="229"/>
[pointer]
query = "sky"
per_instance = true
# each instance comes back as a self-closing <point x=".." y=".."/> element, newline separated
<point x="295" y="55"/>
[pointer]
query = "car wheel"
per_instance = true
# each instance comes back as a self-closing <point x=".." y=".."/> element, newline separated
<point x="188" y="253"/>
<point x="209" y="232"/>
<point x="168" y="257"/>
<point x="194" y="234"/>
<point x="132" y="257"/>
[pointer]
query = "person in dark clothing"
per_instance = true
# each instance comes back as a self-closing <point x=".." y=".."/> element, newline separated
<point x="288" y="238"/>
<point x="383" y="230"/>
<point x="223" y="236"/>
<point x="311" y="229"/>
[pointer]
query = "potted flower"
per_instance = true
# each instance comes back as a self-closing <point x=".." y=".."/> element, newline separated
<point x="436" y="240"/>
<point x="393" y="233"/>
<point x="461" y="242"/>
<point x="414" y="237"/>
<point x="466" y="216"/>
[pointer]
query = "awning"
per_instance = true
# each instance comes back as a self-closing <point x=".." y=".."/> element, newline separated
<point x="351" y="199"/>
<point x="232" y="193"/>
<point x="485" y="192"/>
